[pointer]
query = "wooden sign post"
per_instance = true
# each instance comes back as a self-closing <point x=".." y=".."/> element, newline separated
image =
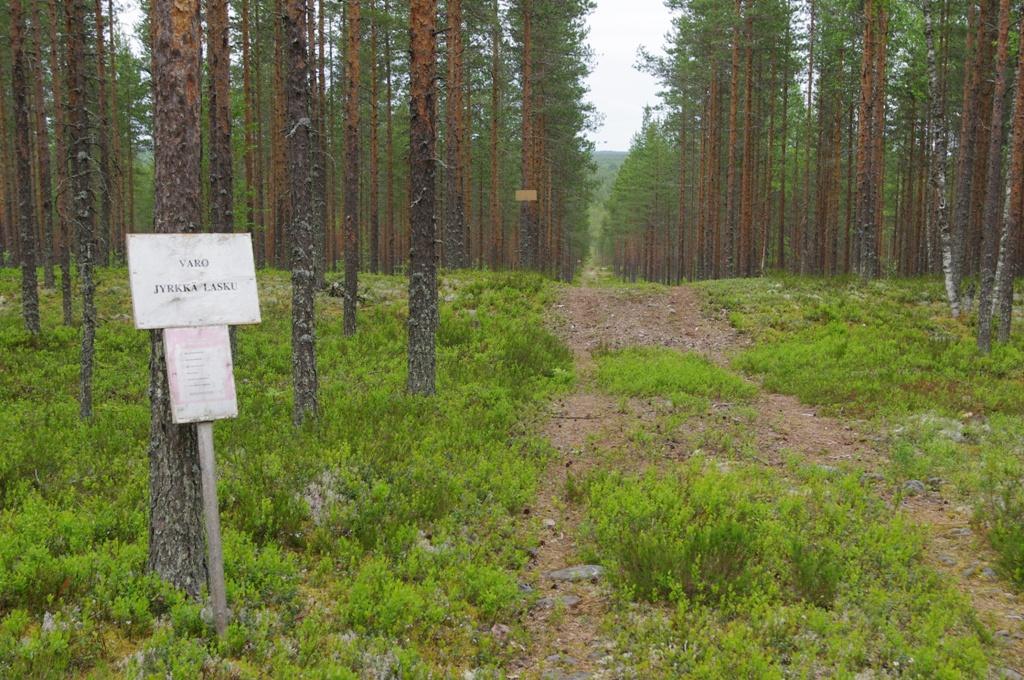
<point x="192" y="286"/>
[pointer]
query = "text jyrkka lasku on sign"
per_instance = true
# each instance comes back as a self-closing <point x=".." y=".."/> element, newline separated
<point x="189" y="280"/>
<point x="195" y="287"/>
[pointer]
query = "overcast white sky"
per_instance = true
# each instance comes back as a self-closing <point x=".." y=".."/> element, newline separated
<point x="618" y="91"/>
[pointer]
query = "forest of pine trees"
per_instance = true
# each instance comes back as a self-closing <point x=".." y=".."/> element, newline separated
<point x="827" y="137"/>
<point x="76" y="134"/>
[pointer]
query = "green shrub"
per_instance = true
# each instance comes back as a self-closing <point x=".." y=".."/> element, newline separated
<point x="780" y="576"/>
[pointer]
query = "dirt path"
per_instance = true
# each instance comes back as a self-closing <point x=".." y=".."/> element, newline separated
<point x="566" y="625"/>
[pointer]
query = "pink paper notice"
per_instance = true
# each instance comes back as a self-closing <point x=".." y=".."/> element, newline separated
<point x="200" y="374"/>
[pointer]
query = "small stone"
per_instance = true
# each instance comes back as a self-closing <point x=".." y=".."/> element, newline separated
<point x="500" y="631"/>
<point x="583" y="572"/>
<point x="935" y="483"/>
<point x="828" y="469"/>
<point x="914" y="487"/>
<point x="549" y="523"/>
<point x="871" y="477"/>
<point x="961" y="531"/>
<point x="569" y="601"/>
<point x="49" y="625"/>
<point x="1010" y="674"/>
<point x="948" y="560"/>
<point x="969" y="571"/>
<point x="525" y="588"/>
<point x="1003" y="633"/>
<point x="989" y="573"/>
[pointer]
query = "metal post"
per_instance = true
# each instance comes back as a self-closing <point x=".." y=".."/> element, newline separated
<point x="215" y="551"/>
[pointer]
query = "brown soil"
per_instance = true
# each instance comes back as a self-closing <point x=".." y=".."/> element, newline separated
<point x="567" y="642"/>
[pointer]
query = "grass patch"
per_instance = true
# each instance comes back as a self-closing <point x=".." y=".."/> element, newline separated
<point x="888" y="350"/>
<point x="377" y="541"/>
<point x="780" y="576"/>
<point x="883" y="348"/>
<point x="660" y="371"/>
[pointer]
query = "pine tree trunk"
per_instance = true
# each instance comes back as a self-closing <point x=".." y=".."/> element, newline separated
<point x="802" y="241"/>
<point x="23" y="171"/>
<point x="497" y="241"/>
<point x="992" y="226"/>
<point x="60" y="148"/>
<point x="1013" y="226"/>
<point x="780" y="262"/>
<point x="322" y="187"/>
<point x="117" y="162"/>
<point x="103" y="237"/>
<point x="389" y="214"/>
<point x="455" y="255"/>
<point x="423" y="313"/>
<point x="374" y="226"/>
<point x="528" y="228"/>
<point x="747" y="171"/>
<point x="731" y="188"/>
<point x="42" y="158"/>
<point x="302" y="230"/>
<point x="176" y="544"/>
<point x="247" y="121"/>
<point x="352" y="169"/>
<point x="222" y="217"/>
<point x="8" y="231"/>
<point x="81" y="189"/>
<point x="866" y="172"/>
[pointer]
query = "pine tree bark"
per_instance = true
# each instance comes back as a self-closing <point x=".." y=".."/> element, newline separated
<point x="1014" y="221"/>
<point x="780" y="261"/>
<point x="747" y="172"/>
<point x="103" y="237"/>
<point x="247" y="121"/>
<point x="8" y="230"/>
<point x="302" y="230"/>
<point x="969" y="123"/>
<point x="455" y="252"/>
<point x="64" y="234"/>
<point x="867" y="173"/>
<point x="497" y="241"/>
<point x="992" y="226"/>
<point x="117" y="163"/>
<point x="81" y="188"/>
<point x="176" y="543"/>
<point x="731" y="182"/>
<point x="26" y="212"/>
<point x="222" y="202"/>
<point x="423" y="313"/>
<point x="44" y="199"/>
<point x="803" y="240"/>
<point x="389" y="209"/>
<point x="373" y="228"/>
<point x="352" y="169"/>
<point x="529" y="246"/>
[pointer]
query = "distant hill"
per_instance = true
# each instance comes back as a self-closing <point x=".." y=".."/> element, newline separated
<point x="608" y="164"/>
